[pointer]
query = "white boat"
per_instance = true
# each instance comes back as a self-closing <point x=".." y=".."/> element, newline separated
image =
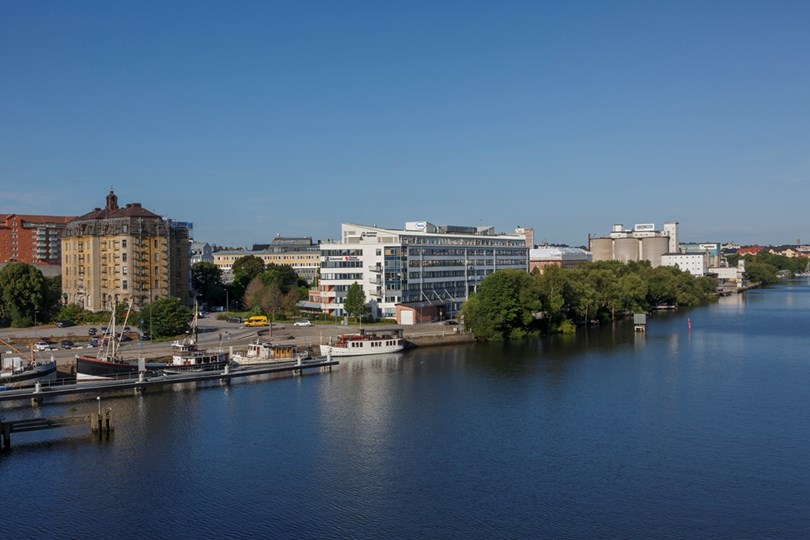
<point x="268" y="353"/>
<point x="19" y="372"/>
<point x="188" y="356"/>
<point x="386" y="341"/>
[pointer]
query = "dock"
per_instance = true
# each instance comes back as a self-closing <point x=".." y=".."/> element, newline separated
<point x="99" y="423"/>
<point x="39" y="392"/>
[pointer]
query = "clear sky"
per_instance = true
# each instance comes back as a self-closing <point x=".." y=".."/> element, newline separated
<point x="252" y="119"/>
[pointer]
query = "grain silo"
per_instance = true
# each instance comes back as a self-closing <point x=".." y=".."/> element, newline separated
<point x="652" y="248"/>
<point x="625" y="249"/>
<point x="602" y="249"/>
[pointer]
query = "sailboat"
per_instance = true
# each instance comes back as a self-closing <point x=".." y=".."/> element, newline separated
<point x="188" y="356"/>
<point x="108" y="364"/>
<point x="18" y="372"/>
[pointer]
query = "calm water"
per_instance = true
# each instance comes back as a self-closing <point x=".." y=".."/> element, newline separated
<point x="609" y="434"/>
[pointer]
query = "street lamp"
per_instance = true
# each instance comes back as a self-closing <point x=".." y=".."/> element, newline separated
<point x="99" y="405"/>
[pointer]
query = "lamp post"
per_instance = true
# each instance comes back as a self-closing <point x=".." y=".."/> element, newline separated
<point x="99" y="405"/>
<point x="35" y="323"/>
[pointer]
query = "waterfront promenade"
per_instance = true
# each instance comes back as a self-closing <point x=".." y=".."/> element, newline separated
<point x="218" y="333"/>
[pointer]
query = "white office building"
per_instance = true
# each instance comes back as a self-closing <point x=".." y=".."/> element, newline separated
<point x="422" y="272"/>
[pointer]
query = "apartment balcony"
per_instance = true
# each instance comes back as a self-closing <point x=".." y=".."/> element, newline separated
<point x="377" y="269"/>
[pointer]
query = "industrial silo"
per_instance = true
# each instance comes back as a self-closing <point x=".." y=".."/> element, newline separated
<point x="625" y="249"/>
<point x="602" y="249"/>
<point x="652" y="248"/>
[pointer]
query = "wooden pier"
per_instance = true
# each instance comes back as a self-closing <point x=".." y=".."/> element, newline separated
<point x="100" y="422"/>
<point x="38" y="393"/>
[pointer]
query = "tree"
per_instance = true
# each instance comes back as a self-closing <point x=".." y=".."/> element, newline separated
<point x="206" y="280"/>
<point x="355" y="302"/>
<point x="761" y="272"/>
<point x="166" y="317"/>
<point x="253" y="299"/>
<point x="498" y="310"/>
<point x="281" y="275"/>
<point x="23" y="293"/>
<point x="244" y="270"/>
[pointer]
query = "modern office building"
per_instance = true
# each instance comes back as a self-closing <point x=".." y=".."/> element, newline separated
<point x="422" y="272"/>
<point x="114" y="254"/>
<point x="32" y="239"/>
<point x="641" y="243"/>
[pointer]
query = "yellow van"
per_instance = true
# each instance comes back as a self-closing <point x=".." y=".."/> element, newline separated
<point x="256" y="320"/>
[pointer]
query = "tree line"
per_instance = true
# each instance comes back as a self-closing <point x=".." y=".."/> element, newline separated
<point x="513" y="304"/>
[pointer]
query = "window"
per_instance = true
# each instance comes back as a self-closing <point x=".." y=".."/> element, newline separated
<point x="157" y="257"/>
<point x="124" y="285"/>
<point x="123" y="257"/>
<point x="124" y="270"/>
<point x="124" y="242"/>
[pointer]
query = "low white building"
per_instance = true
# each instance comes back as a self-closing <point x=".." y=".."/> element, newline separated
<point x="694" y="263"/>
<point x="201" y="252"/>
<point x="565" y="257"/>
<point x="422" y="272"/>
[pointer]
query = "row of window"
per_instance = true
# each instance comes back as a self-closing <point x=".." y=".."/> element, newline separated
<point x="335" y="277"/>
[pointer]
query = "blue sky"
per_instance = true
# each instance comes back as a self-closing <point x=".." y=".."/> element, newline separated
<point x="252" y="119"/>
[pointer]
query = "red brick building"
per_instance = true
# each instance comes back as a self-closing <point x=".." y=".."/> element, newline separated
<point x="31" y="239"/>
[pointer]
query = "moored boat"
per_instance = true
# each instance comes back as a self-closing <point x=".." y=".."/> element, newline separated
<point x="19" y="372"/>
<point x="187" y="356"/>
<point x="107" y="364"/>
<point x="268" y="353"/>
<point x="362" y="343"/>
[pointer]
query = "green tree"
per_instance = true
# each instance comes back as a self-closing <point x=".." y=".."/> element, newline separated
<point x="355" y="302"/>
<point x="498" y="310"/>
<point x="281" y="275"/>
<point x="23" y="293"/>
<point x="166" y="317"/>
<point x="244" y="270"/>
<point x="206" y="280"/>
<point x="70" y="313"/>
<point x="761" y="272"/>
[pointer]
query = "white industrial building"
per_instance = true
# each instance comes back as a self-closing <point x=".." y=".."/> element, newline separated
<point x="641" y="243"/>
<point x="695" y="263"/>
<point x="565" y="257"/>
<point x="422" y="272"/>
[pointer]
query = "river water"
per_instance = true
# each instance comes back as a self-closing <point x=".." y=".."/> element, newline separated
<point x="675" y="433"/>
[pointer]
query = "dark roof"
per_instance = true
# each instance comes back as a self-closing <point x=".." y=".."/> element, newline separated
<point x="112" y="210"/>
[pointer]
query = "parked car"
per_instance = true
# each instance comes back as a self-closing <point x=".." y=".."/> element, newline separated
<point x="451" y="322"/>
<point x="237" y="320"/>
<point x="62" y="324"/>
<point x="91" y="331"/>
<point x="302" y="323"/>
<point x="43" y="346"/>
<point x="127" y="330"/>
<point x="94" y="342"/>
<point x="144" y="337"/>
<point x="67" y="344"/>
<point x="104" y="330"/>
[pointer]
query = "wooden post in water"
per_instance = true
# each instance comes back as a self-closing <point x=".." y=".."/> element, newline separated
<point x="6" y="429"/>
<point x="102" y="422"/>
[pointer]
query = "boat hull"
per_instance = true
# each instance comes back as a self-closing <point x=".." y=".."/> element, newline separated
<point x="333" y="350"/>
<point x="40" y="373"/>
<point x="96" y="369"/>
